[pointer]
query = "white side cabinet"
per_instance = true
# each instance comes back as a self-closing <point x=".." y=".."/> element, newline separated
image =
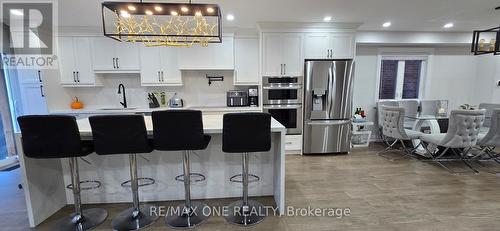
<point x="159" y="66"/>
<point x="75" y="62"/>
<point x="109" y="55"/>
<point x="246" y="61"/>
<point x="216" y="56"/>
<point x="282" y="54"/>
<point x="329" y="45"/>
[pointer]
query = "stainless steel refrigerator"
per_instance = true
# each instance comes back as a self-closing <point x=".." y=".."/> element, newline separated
<point x="327" y="106"/>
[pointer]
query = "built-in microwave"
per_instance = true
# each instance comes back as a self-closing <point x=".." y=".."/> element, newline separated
<point x="282" y="90"/>
<point x="290" y="115"/>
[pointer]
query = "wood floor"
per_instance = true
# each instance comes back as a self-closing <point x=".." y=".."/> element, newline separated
<point x="384" y="195"/>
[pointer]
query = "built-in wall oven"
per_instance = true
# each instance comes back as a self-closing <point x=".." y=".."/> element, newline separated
<point x="282" y="90"/>
<point x="282" y="98"/>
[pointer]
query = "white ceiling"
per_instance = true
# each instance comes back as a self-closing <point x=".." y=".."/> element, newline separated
<point x="405" y="15"/>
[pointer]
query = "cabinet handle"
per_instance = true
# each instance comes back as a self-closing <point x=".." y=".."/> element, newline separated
<point x="117" y="63"/>
<point x="74" y="77"/>
<point x="162" y="78"/>
<point x="281" y="71"/>
<point x="41" y="91"/>
<point x="284" y="69"/>
<point x="159" y="79"/>
<point x="78" y="76"/>
<point x="114" y="65"/>
<point x="39" y="77"/>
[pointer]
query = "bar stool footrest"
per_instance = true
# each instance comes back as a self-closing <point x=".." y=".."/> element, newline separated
<point x="194" y="177"/>
<point x="93" y="184"/>
<point x="239" y="178"/>
<point x="146" y="181"/>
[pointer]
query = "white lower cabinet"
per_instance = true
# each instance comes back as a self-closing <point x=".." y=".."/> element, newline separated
<point x="293" y="144"/>
<point x="159" y="66"/>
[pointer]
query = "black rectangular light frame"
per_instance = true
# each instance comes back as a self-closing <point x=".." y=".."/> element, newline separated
<point x="476" y="37"/>
<point x="167" y="8"/>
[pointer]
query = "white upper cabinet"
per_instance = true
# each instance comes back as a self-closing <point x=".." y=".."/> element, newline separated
<point x="75" y="62"/>
<point x="246" y="61"/>
<point x="217" y="56"/>
<point x="282" y="54"/>
<point x="159" y="66"/>
<point x="109" y="55"/>
<point x="329" y="46"/>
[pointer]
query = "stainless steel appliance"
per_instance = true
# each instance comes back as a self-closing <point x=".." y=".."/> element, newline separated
<point x="175" y="102"/>
<point x="282" y="98"/>
<point x="236" y="98"/>
<point x="327" y="106"/>
<point x="253" y="97"/>
<point x="282" y="90"/>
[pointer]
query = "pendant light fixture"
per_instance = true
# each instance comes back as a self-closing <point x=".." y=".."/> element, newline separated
<point x="486" y="41"/>
<point x="162" y="24"/>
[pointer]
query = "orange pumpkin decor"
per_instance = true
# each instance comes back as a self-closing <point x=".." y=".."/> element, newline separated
<point x="76" y="104"/>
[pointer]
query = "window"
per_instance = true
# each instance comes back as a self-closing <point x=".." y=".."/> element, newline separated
<point x="401" y="77"/>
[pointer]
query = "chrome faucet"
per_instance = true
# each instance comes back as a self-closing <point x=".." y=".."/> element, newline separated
<point x="124" y="103"/>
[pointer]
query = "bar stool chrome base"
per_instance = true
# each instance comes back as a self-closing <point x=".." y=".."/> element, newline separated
<point x="91" y="218"/>
<point x="134" y="220"/>
<point x="254" y="215"/>
<point x="187" y="219"/>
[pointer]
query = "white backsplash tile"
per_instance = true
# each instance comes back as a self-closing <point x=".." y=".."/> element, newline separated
<point x="195" y="90"/>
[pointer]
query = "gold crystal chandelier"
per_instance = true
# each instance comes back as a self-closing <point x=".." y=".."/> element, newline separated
<point x="162" y="24"/>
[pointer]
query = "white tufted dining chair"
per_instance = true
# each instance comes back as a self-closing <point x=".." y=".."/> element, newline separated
<point x="380" y="116"/>
<point x="491" y="140"/>
<point x="393" y="127"/>
<point x="462" y="135"/>
<point x="411" y="110"/>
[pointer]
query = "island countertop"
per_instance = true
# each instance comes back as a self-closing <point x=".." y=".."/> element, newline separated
<point x="212" y="124"/>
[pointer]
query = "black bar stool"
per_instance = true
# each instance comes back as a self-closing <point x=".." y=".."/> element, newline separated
<point x="50" y="136"/>
<point x="244" y="133"/>
<point x="122" y="134"/>
<point x="182" y="130"/>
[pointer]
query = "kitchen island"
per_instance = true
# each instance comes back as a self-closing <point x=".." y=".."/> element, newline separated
<point x="45" y="180"/>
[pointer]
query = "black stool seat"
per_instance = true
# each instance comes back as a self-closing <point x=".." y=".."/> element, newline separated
<point x="182" y="130"/>
<point x="52" y="136"/>
<point x="58" y="136"/>
<point x="178" y="130"/>
<point x="246" y="132"/>
<point x="120" y="134"/>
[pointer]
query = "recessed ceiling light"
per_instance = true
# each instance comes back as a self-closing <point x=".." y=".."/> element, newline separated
<point x="16" y="12"/>
<point x="174" y="13"/>
<point x="210" y="10"/>
<point x="448" y="25"/>
<point x="230" y="17"/>
<point x="327" y="18"/>
<point x="132" y="8"/>
<point x="387" y="24"/>
<point x="184" y="9"/>
<point x="198" y="13"/>
<point x="158" y="8"/>
<point x="148" y="12"/>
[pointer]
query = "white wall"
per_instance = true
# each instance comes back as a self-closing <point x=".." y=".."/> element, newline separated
<point x="195" y="91"/>
<point x="455" y="74"/>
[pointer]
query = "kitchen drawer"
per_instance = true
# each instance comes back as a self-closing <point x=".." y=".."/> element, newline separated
<point x="293" y="143"/>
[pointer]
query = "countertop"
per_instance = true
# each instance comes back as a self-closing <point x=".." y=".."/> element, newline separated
<point x="212" y="124"/>
<point x="99" y="110"/>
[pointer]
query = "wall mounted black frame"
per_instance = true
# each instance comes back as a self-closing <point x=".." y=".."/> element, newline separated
<point x="476" y="38"/>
